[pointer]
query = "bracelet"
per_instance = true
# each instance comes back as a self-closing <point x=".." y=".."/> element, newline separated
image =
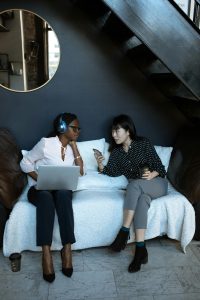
<point x="77" y="157"/>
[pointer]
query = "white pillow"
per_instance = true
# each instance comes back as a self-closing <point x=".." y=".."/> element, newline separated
<point x="24" y="152"/>
<point x="164" y="153"/>
<point x="87" y="153"/>
<point x="94" y="180"/>
<point x="106" y="154"/>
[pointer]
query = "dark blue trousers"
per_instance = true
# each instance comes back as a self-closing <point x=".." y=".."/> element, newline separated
<point x="47" y="203"/>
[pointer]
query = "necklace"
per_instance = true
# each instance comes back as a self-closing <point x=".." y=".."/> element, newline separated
<point x="63" y="151"/>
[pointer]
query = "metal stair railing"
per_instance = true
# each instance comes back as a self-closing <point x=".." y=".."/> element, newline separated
<point x="196" y="14"/>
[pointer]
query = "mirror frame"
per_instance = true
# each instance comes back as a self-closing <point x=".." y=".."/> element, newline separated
<point x="14" y="67"/>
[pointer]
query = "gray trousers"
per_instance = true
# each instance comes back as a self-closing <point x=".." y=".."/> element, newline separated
<point x="139" y="194"/>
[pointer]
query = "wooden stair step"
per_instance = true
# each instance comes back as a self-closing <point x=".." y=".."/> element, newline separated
<point x="146" y="60"/>
<point x="116" y="29"/>
<point x="141" y="54"/>
<point x="156" y="67"/>
<point x="151" y="22"/>
<point x="95" y="9"/>
<point x="191" y="109"/>
<point x="171" y="86"/>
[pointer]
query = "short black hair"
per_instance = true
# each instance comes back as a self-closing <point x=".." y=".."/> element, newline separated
<point x="125" y="122"/>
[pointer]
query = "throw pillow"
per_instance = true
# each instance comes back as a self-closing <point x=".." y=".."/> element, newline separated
<point x="164" y="153"/>
<point x="87" y="153"/>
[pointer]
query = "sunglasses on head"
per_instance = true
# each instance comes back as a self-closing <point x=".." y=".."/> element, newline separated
<point x="75" y="128"/>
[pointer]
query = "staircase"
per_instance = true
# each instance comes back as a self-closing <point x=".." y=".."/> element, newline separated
<point x="158" y="37"/>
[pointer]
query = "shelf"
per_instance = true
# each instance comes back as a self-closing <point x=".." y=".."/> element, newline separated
<point x="4" y="70"/>
<point x="3" y="28"/>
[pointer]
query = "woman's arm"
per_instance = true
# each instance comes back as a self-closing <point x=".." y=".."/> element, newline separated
<point x="33" y="175"/>
<point x="112" y="168"/>
<point x="27" y="164"/>
<point x="99" y="159"/>
<point x="77" y="157"/>
<point x="154" y="161"/>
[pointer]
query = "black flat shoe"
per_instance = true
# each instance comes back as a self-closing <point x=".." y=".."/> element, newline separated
<point x="120" y="241"/>
<point x="66" y="271"/>
<point x="49" y="277"/>
<point x="141" y="257"/>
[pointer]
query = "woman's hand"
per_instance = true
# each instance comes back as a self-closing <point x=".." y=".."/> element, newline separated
<point x="77" y="157"/>
<point x="72" y="143"/>
<point x="149" y="175"/>
<point x="33" y="175"/>
<point x="99" y="159"/>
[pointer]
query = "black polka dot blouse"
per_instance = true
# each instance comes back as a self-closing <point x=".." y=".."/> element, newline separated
<point x="141" y="152"/>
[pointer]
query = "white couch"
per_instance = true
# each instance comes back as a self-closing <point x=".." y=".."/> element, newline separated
<point x="98" y="210"/>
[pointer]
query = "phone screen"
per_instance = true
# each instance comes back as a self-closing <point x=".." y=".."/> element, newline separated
<point x="97" y="152"/>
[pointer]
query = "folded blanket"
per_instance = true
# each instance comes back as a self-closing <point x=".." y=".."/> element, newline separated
<point x="98" y="216"/>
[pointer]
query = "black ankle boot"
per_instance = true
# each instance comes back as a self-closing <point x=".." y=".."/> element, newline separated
<point x="141" y="257"/>
<point x="120" y="241"/>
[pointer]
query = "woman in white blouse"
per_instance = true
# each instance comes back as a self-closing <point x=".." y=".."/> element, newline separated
<point x="62" y="150"/>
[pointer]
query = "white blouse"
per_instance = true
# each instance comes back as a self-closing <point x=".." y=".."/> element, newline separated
<point x="46" y="152"/>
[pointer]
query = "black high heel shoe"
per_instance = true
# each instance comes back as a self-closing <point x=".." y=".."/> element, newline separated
<point x="120" y="241"/>
<point x="48" y="277"/>
<point x="66" y="271"/>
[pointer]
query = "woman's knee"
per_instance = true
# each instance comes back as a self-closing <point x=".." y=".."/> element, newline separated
<point x="134" y="184"/>
<point x="133" y="187"/>
<point x="63" y="195"/>
<point x="144" y="201"/>
<point x="133" y="192"/>
<point x="37" y="197"/>
<point x="63" y="200"/>
<point x="161" y="188"/>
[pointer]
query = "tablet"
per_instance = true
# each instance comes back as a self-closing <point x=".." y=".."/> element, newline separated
<point x="57" y="177"/>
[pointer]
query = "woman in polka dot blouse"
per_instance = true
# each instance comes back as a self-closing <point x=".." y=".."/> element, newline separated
<point x="135" y="158"/>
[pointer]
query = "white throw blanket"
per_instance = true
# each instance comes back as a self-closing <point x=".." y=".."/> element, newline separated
<point x="98" y="210"/>
<point x="98" y="217"/>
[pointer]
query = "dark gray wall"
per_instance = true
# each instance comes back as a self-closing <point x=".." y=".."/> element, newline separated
<point x="94" y="80"/>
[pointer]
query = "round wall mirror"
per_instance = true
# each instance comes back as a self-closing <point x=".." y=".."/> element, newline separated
<point x="29" y="51"/>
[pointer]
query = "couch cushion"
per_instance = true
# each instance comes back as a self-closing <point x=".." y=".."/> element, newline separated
<point x="94" y="180"/>
<point x="87" y="153"/>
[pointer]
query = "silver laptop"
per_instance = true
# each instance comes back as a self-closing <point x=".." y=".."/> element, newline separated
<point x="57" y="177"/>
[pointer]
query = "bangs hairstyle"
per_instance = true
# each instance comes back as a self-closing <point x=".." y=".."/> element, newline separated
<point x="125" y="122"/>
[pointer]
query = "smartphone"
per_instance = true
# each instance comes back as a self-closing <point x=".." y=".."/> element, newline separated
<point x="97" y="152"/>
